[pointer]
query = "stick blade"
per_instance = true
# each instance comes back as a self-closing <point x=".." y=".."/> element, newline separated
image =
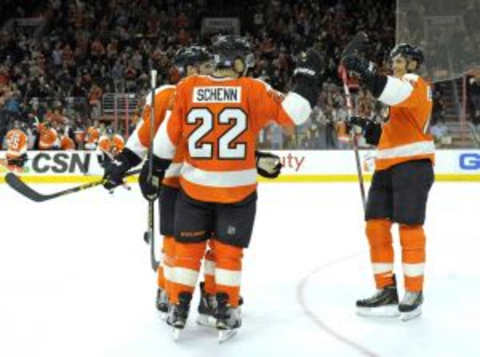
<point x="18" y="185"/>
<point x="357" y="44"/>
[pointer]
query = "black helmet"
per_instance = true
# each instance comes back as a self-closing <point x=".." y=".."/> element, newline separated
<point x="190" y="56"/>
<point x="227" y="48"/>
<point x="409" y="52"/>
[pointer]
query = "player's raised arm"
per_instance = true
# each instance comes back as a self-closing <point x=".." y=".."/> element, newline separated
<point x="295" y="107"/>
<point x="401" y="92"/>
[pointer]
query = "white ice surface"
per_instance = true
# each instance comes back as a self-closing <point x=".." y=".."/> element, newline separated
<point x="75" y="279"/>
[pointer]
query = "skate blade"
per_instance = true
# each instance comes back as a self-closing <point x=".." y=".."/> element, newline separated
<point x="206" y="320"/>
<point x="381" y="311"/>
<point x="225" y="335"/>
<point x="163" y="315"/>
<point x="405" y="316"/>
<point x="176" y="333"/>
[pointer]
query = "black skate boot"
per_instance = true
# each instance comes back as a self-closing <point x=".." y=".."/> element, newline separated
<point x="411" y="305"/>
<point x="161" y="303"/>
<point x="178" y="314"/>
<point x="383" y="304"/>
<point x="206" y="308"/>
<point x="229" y="318"/>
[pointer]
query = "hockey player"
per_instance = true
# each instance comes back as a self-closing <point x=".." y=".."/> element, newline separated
<point x="188" y="61"/>
<point x="17" y="144"/>
<point x="401" y="182"/>
<point x="48" y="137"/>
<point x="217" y="119"/>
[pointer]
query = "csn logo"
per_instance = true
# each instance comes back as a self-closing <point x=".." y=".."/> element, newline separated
<point x="470" y="161"/>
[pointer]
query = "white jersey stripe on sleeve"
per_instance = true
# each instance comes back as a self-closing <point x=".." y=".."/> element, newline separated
<point x="297" y="108"/>
<point x="162" y="145"/>
<point x="134" y="144"/>
<point x="395" y="91"/>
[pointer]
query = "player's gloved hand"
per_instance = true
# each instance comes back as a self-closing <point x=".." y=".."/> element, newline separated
<point x="359" y="67"/>
<point x="116" y="169"/>
<point x="268" y="165"/>
<point x="358" y="121"/>
<point x="151" y="188"/>
<point x="308" y="75"/>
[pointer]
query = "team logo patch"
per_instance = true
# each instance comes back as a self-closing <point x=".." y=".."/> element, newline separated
<point x="217" y="95"/>
<point x="231" y="230"/>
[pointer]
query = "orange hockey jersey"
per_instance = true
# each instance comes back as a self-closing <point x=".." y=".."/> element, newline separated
<point x="112" y="145"/>
<point x="17" y="144"/>
<point x="139" y="141"/>
<point x="404" y="137"/>
<point x="48" y="138"/>
<point x="218" y="121"/>
<point x="91" y="139"/>
<point x="66" y="143"/>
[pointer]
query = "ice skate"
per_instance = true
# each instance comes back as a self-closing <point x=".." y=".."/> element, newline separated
<point x="228" y="318"/>
<point x="411" y="305"/>
<point x="206" y="308"/>
<point x="161" y="303"/>
<point x="384" y="303"/>
<point x="178" y="314"/>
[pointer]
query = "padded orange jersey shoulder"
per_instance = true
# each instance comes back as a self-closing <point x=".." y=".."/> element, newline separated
<point x="139" y="141"/>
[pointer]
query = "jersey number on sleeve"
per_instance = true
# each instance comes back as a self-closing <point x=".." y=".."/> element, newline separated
<point x="227" y="149"/>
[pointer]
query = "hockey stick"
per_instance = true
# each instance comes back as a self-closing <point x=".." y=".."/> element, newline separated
<point x="21" y="187"/>
<point x="149" y="235"/>
<point x="357" y="44"/>
<point x="354" y="139"/>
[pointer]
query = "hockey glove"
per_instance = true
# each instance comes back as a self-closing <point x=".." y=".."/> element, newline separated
<point x="268" y="165"/>
<point x="151" y="188"/>
<point x="308" y="75"/>
<point x="116" y="169"/>
<point x="367" y="73"/>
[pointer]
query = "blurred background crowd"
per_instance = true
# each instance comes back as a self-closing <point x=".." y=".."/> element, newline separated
<point x="81" y="65"/>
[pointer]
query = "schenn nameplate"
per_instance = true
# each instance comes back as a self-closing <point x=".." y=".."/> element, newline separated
<point x="217" y="94"/>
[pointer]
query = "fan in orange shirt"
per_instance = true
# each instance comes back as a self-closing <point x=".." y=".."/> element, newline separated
<point x="401" y="182"/>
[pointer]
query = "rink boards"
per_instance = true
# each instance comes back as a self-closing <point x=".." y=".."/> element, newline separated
<point x="299" y="166"/>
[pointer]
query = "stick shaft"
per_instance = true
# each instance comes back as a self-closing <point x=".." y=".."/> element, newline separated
<point x="348" y="98"/>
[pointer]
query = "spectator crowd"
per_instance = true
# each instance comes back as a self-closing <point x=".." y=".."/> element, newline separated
<point x="58" y="58"/>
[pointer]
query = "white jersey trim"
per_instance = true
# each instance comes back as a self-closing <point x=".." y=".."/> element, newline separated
<point x="220" y="179"/>
<point x="162" y="144"/>
<point x="148" y="99"/>
<point x="413" y="270"/>
<point x="297" y="108"/>
<point x="228" y="277"/>
<point x="418" y="148"/>
<point x="395" y="91"/>
<point x="173" y="170"/>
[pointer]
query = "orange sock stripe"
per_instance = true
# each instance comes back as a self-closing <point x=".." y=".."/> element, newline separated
<point x="160" y="278"/>
<point x="412" y="240"/>
<point x="414" y="283"/>
<point x="382" y="280"/>
<point x="189" y="257"/>
<point x="168" y="261"/>
<point x="228" y="267"/>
